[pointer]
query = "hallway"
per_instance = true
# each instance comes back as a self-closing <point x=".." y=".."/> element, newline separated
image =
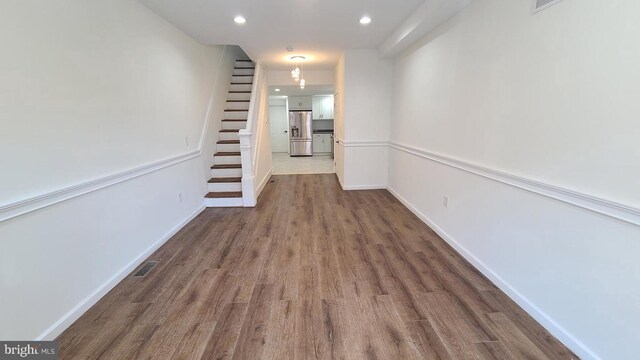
<point x="283" y="164"/>
<point x="322" y="274"/>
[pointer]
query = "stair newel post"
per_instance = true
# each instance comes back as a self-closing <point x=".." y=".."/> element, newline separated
<point x="248" y="196"/>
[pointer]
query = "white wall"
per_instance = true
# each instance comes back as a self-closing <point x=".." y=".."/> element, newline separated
<point x="312" y="77"/>
<point x="365" y="165"/>
<point x="363" y="84"/>
<point x="90" y="90"/>
<point x="560" y="91"/>
<point x="338" y="119"/>
<point x="263" y="166"/>
<point x="255" y="140"/>
<point x="108" y="85"/>
<point x="367" y="83"/>
<point x="551" y="98"/>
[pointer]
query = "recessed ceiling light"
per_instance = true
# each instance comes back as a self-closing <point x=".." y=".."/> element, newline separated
<point x="277" y="90"/>
<point x="239" y="20"/>
<point x="365" y="20"/>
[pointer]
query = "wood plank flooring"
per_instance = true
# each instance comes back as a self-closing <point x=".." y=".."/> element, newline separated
<point x="312" y="272"/>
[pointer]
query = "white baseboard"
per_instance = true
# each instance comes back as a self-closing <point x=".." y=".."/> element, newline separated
<point x="340" y="181"/>
<point x="364" y="187"/>
<point x="359" y="187"/>
<point x="74" y="314"/>
<point x="545" y="320"/>
<point x="264" y="182"/>
<point x="303" y="173"/>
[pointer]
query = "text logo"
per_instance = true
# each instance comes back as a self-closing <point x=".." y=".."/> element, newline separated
<point x="41" y="350"/>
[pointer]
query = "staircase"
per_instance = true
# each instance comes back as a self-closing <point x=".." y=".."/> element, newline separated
<point x="225" y="186"/>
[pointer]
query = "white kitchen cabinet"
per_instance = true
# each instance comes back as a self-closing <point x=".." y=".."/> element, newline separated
<point x="322" y="143"/>
<point x="326" y="143"/>
<point x="300" y="103"/>
<point x="327" y="104"/>
<point x="322" y="107"/>
<point x="318" y="110"/>
<point x="318" y="145"/>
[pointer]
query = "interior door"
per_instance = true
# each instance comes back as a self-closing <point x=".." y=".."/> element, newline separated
<point x="279" y="128"/>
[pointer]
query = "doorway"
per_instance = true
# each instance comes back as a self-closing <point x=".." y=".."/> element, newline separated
<point x="315" y="103"/>
<point x="279" y="125"/>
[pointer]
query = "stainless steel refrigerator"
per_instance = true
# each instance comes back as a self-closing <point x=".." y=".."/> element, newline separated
<point x="300" y="133"/>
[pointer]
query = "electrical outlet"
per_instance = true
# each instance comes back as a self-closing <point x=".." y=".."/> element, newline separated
<point x="186" y="141"/>
<point x="179" y="197"/>
<point x="445" y="202"/>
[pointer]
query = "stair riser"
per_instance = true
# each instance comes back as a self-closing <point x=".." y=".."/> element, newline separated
<point x="241" y="87"/>
<point x="223" y="202"/>
<point x="242" y="79"/>
<point x="226" y="173"/>
<point x="229" y="136"/>
<point x="238" y="106"/>
<point x="225" y="187"/>
<point x="219" y="160"/>
<point x="239" y="96"/>
<point x="236" y="114"/>
<point x="244" y="64"/>
<point x="234" y="124"/>
<point x="228" y="148"/>
<point x="243" y="71"/>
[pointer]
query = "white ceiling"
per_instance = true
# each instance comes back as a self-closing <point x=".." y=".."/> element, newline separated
<point x="320" y="29"/>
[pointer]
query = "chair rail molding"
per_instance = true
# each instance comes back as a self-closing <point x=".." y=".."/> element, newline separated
<point x="33" y="203"/>
<point x="30" y="204"/>
<point x="364" y="143"/>
<point x="626" y="213"/>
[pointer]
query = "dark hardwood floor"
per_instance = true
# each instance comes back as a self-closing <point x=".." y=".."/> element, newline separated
<point x="312" y="272"/>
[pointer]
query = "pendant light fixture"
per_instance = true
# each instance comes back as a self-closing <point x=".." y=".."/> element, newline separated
<point x="298" y="70"/>
<point x="295" y="73"/>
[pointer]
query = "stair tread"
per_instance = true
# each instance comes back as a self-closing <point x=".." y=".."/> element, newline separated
<point x="230" y="194"/>
<point x="228" y="142"/>
<point x="227" y="153"/>
<point x="229" y="130"/>
<point x="244" y="68"/>
<point x="227" y="166"/>
<point x="218" y="180"/>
